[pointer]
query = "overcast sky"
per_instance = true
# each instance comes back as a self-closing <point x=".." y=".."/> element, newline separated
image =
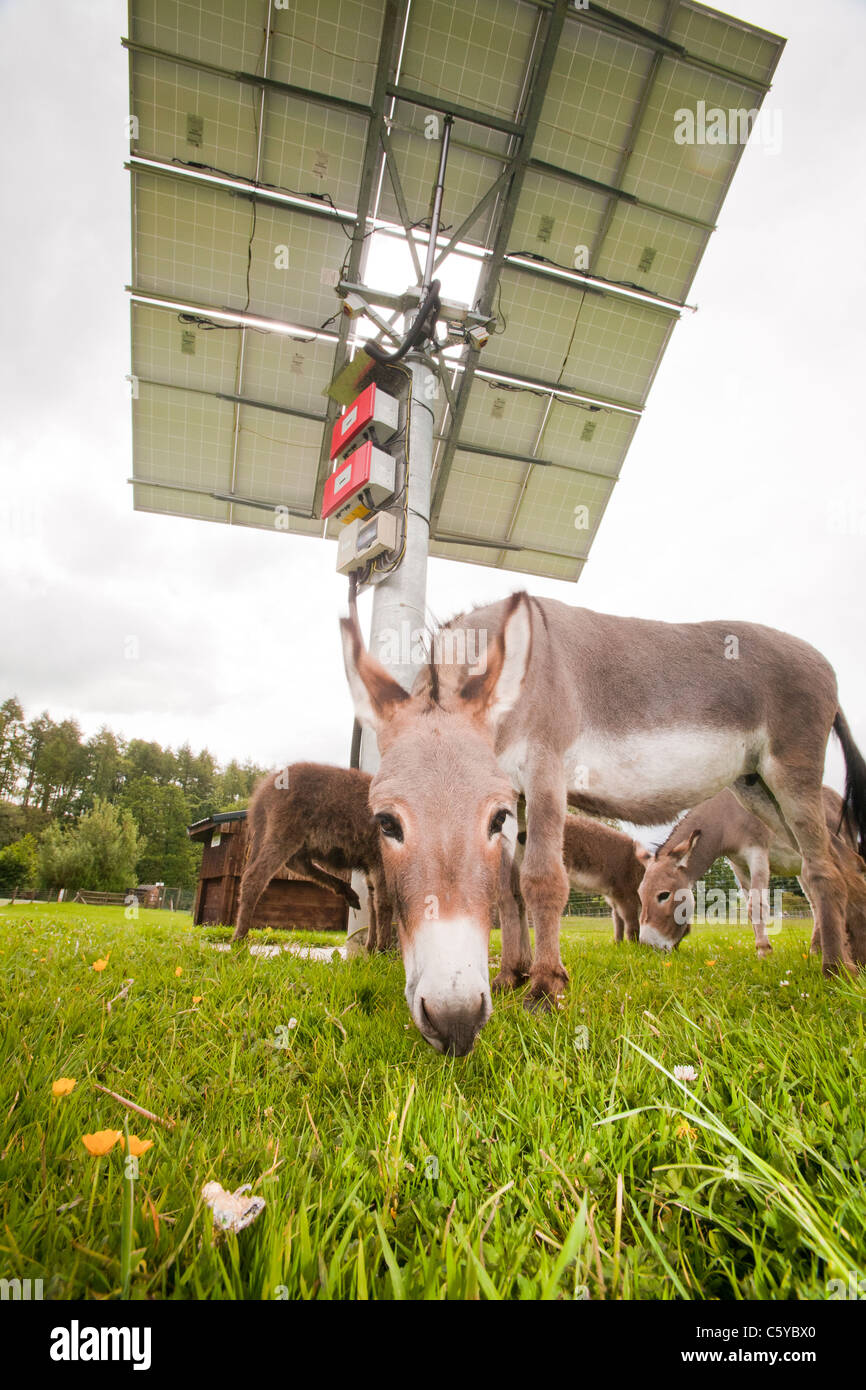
<point x="731" y="504"/>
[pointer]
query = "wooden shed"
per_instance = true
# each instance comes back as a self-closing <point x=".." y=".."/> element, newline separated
<point x="286" y="902"/>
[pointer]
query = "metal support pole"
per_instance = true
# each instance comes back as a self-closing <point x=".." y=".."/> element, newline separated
<point x="399" y="602"/>
<point x="436" y="215"/>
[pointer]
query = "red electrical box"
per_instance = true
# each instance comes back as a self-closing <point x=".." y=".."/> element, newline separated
<point x="359" y="484"/>
<point x="373" y="416"/>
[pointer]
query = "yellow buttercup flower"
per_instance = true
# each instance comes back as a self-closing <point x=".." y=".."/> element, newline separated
<point x="137" y="1146"/>
<point x="101" y="1142"/>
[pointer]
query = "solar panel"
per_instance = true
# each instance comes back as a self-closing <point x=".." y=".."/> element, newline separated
<point x="269" y="145"/>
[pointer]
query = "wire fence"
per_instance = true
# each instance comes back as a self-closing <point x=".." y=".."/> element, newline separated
<point x="720" y="899"/>
<point x="169" y="900"/>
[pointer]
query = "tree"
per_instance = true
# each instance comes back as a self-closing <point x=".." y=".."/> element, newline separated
<point x="148" y="760"/>
<point x="18" y="821"/>
<point x="13" y="745"/>
<point x="19" y="864"/>
<point x="100" y="853"/>
<point x="163" y="814"/>
<point x="35" y="735"/>
<point x="104" y="767"/>
<point x="60" y="767"/>
<point x="234" y="785"/>
<point x="201" y="790"/>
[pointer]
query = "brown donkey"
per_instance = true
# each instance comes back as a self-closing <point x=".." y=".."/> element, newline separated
<point x="636" y="718"/>
<point x="310" y="818"/>
<point x="598" y="859"/>
<point x="717" y="828"/>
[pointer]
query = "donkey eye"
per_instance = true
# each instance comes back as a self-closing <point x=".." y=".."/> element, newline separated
<point x="390" y="827"/>
<point x="497" y="822"/>
<point x="663" y="897"/>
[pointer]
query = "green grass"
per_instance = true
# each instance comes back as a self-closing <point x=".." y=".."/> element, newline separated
<point x="535" y="1168"/>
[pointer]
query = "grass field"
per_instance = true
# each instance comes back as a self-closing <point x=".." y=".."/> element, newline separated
<point x="560" y="1160"/>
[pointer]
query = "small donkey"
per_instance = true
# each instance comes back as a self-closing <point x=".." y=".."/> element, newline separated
<point x="598" y="859"/>
<point x="310" y="818"/>
<point x="717" y="828"/>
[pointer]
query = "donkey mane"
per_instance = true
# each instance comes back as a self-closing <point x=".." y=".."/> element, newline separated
<point x="539" y="609"/>
<point x="675" y="828"/>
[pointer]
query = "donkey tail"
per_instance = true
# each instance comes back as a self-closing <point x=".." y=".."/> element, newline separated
<point x="854" y="805"/>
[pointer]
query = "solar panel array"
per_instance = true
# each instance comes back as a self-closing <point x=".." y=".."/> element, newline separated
<point x="269" y="140"/>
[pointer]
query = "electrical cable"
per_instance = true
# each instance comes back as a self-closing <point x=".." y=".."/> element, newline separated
<point x="404" y="489"/>
<point x="572" y="270"/>
<point x="422" y="328"/>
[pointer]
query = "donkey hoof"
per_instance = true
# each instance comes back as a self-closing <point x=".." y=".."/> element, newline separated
<point x="838" y="969"/>
<point x="764" y="951"/>
<point x="544" y="993"/>
<point x="508" y="979"/>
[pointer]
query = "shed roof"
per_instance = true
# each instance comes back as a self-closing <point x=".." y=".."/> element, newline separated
<point x="200" y="827"/>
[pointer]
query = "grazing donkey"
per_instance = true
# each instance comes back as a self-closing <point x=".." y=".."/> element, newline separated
<point x="637" y="718"/>
<point x="309" y="818"/>
<point x="598" y="859"/>
<point x="722" y="827"/>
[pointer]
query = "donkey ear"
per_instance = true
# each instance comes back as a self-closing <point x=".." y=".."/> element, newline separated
<point x="682" y="852"/>
<point x="374" y="692"/>
<point x="496" y="690"/>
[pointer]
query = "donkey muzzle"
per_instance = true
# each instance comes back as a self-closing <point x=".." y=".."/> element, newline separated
<point x="454" y="1029"/>
<point x="447" y="983"/>
<point x="651" y="936"/>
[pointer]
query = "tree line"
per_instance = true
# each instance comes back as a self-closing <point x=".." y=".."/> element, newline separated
<point x="102" y="812"/>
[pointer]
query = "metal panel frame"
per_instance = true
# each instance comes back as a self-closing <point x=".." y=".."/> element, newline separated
<point x="499" y="202"/>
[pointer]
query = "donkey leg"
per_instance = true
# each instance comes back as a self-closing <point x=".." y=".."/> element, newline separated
<point x="798" y="794"/>
<point x="756" y="797"/>
<point x="516" y="946"/>
<point x="759" y="900"/>
<point x="544" y="882"/>
<point x="815" y="941"/>
<point x="631" y="916"/>
<point x="382" y="907"/>
<point x="301" y="863"/>
<point x="618" y="922"/>
<point x="268" y="860"/>
<point x="371" y="941"/>
<point x="855" y="915"/>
